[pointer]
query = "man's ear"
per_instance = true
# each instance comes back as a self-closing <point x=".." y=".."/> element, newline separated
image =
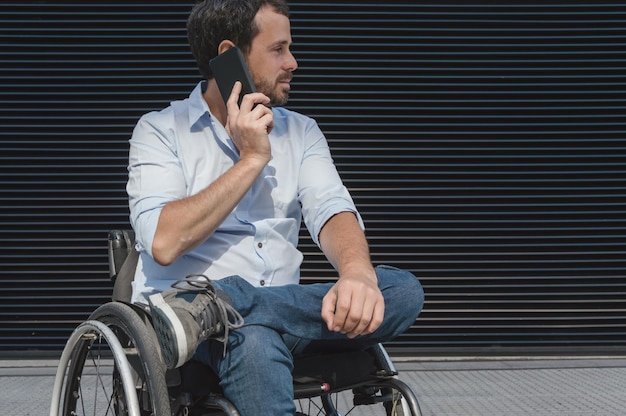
<point x="224" y="46"/>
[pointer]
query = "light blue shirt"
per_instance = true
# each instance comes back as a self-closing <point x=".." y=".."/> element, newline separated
<point x="179" y="151"/>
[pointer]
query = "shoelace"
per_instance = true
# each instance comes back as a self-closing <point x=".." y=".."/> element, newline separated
<point x="227" y="314"/>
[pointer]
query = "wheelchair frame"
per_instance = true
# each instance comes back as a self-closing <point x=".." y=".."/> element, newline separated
<point x="140" y="385"/>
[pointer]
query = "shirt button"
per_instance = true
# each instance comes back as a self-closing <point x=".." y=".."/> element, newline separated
<point x="260" y="245"/>
<point x="262" y="282"/>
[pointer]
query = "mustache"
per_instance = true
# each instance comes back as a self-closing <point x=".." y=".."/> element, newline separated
<point x="286" y="77"/>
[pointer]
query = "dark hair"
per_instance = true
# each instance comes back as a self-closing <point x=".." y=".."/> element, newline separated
<point x="212" y="21"/>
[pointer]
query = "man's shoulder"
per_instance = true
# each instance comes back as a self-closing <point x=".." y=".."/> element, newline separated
<point x="292" y="119"/>
<point x="185" y="105"/>
<point x="160" y="115"/>
<point x="290" y="114"/>
<point x="156" y="123"/>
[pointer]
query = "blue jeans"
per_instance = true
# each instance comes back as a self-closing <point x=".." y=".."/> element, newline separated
<point x="284" y="321"/>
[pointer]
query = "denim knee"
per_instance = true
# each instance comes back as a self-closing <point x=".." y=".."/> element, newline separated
<point x="393" y="276"/>
<point x="401" y="287"/>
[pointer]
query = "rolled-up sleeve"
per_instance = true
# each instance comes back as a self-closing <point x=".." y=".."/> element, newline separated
<point x="321" y="191"/>
<point x="155" y="176"/>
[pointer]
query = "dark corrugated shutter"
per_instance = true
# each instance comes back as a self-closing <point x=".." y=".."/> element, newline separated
<point x="75" y="78"/>
<point x="485" y="145"/>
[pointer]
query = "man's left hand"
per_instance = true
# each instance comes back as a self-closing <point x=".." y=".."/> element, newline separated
<point x="354" y="305"/>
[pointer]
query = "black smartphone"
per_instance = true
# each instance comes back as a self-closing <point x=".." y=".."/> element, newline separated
<point x="228" y="68"/>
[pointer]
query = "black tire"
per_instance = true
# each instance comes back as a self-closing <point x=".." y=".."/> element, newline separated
<point x="139" y="338"/>
<point x="148" y="372"/>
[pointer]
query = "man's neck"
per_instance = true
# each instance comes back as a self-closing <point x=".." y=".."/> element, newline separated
<point x="215" y="102"/>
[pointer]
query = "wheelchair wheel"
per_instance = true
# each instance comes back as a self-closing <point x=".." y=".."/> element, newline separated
<point x="110" y="366"/>
<point x="390" y="397"/>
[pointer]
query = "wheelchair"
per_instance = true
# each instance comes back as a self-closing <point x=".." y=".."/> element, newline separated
<point x="111" y="365"/>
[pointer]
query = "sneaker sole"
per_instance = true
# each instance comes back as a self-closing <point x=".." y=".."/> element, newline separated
<point x="170" y="332"/>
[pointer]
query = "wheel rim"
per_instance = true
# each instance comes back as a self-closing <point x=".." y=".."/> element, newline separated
<point x="87" y="371"/>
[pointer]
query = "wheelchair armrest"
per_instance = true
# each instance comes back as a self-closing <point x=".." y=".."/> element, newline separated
<point x="123" y="260"/>
<point x="121" y="243"/>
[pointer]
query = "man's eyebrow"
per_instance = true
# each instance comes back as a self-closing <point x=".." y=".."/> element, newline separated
<point x="281" y="43"/>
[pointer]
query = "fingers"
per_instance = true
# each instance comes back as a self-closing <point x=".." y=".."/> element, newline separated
<point x="353" y="312"/>
<point x="249" y="125"/>
<point x="260" y="115"/>
<point x="248" y="101"/>
<point x="363" y="317"/>
<point x="328" y="308"/>
<point x="233" y="98"/>
<point x="377" y="317"/>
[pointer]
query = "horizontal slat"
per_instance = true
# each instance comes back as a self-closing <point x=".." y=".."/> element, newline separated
<point x="484" y="144"/>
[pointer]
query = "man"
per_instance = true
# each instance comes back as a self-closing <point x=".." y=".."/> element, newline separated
<point x="217" y="193"/>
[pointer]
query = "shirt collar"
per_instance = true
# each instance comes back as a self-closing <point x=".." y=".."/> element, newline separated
<point x="197" y="106"/>
<point x="199" y="109"/>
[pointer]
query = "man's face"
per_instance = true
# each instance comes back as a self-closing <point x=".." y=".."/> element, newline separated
<point x="270" y="60"/>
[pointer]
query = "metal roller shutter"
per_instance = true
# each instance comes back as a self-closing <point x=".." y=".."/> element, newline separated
<point x="485" y="145"/>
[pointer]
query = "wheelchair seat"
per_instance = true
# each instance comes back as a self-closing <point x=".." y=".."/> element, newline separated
<point x="140" y="384"/>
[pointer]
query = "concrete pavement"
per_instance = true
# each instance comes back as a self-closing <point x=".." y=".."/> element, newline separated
<point x="444" y="387"/>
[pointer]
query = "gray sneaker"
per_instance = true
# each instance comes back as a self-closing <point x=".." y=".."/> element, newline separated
<point x="189" y="313"/>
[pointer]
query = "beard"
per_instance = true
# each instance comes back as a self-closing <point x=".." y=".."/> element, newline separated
<point x="277" y="94"/>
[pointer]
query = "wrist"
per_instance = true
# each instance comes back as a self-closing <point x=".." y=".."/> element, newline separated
<point x="256" y="161"/>
<point x="364" y="272"/>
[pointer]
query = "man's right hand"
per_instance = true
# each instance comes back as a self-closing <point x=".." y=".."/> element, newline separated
<point x="249" y="125"/>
